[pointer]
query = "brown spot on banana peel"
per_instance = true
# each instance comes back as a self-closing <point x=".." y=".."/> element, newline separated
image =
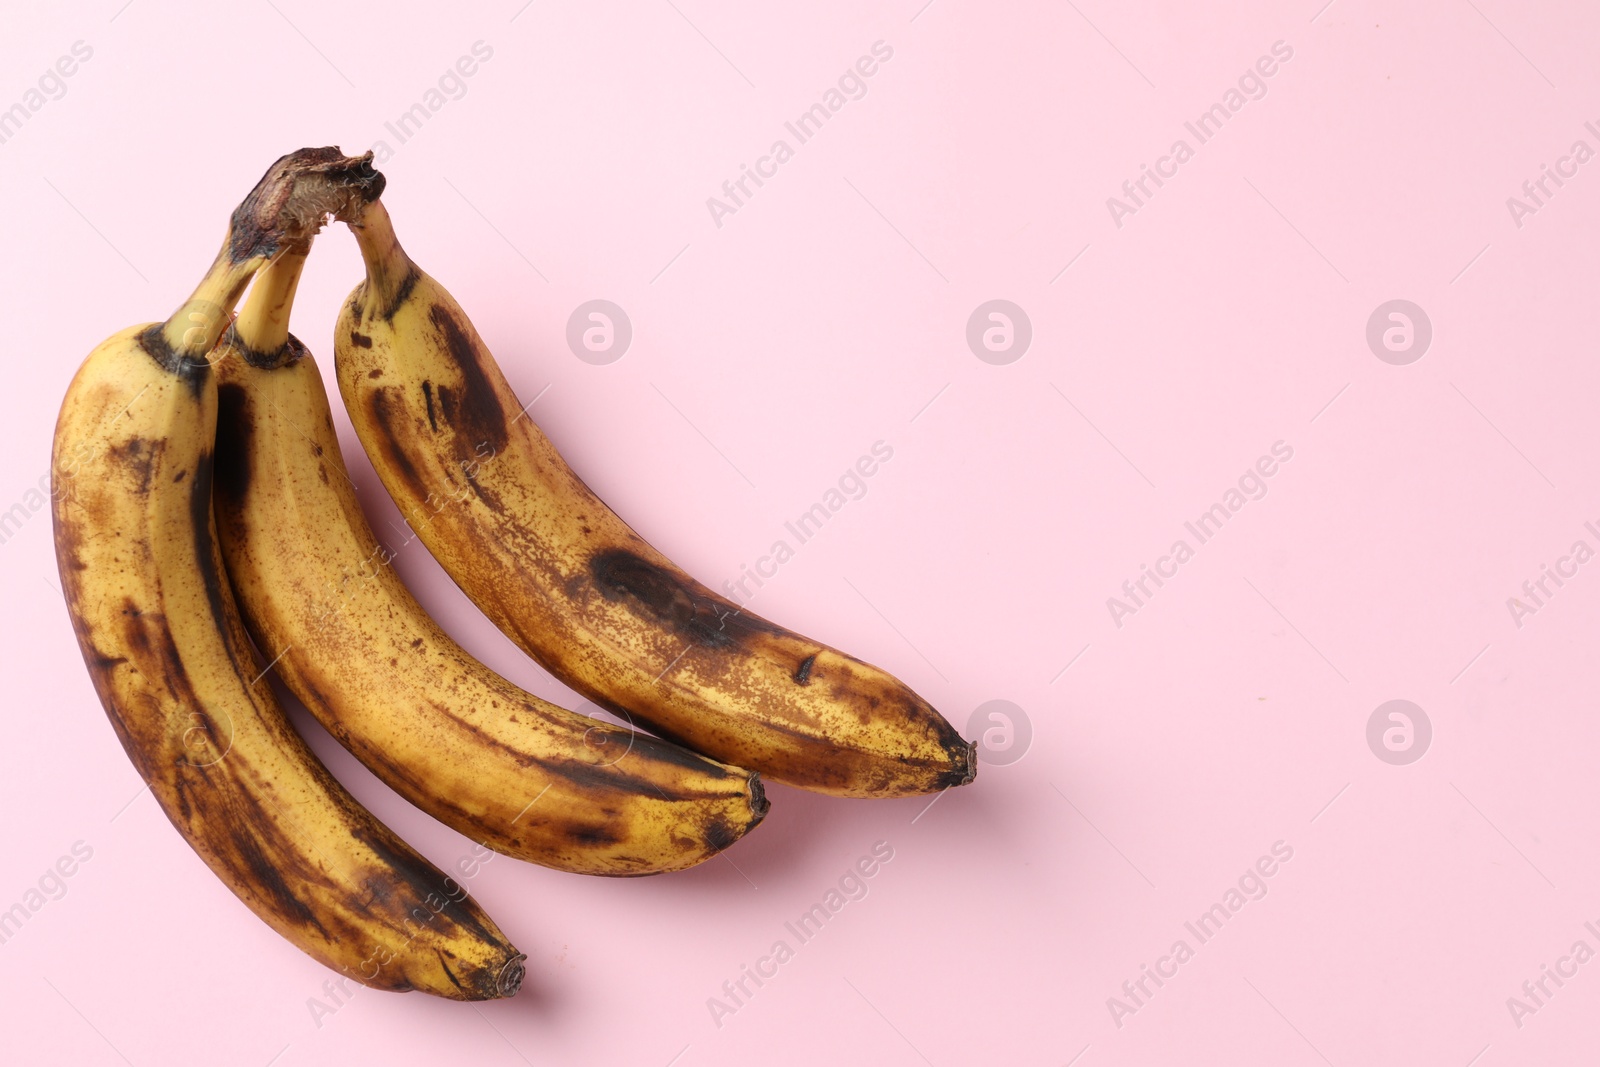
<point x="719" y="834"/>
<point x="401" y="295"/>
<point x="427" y="396"/>
<point x="282" y="356"/>
<point x="655" y="749"/>
<point x="476" y="415"/>
<point x="359" y="339"/>
<point x="205" y="546"/>
<point x="192" y="372"/>
<point x="235" y="427"/>
<point x="448" y="973"/>
<point x="467" y="455"/>
<point x="601" y="781"/>
<point x="362" y="305"/>
<point x="660" y="595"/>
<point x="423" y="879"/>
<point x="382" y="407"/>
<point x="593" y="835"/>
<point x="261" y="858"/>
<point x="139" y="456"/>
<point x="152" y="655"/>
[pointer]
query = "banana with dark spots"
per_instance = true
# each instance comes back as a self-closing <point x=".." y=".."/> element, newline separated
<point x="318" y="591"/>
<point x="571" y="583"/>
<point x="171" y="662"/>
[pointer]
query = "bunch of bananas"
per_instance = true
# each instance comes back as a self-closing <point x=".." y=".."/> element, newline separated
<point x="207" y="532"/>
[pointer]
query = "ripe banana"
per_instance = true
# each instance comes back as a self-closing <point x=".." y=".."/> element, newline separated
<point x="170" y="660"/>
<point x="315" y="587"/>
<point x="579" y="590"/>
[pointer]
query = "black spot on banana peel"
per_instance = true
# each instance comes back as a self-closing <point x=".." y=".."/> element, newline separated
<point x="139" y="456"/>
<point x="427" y="396"/>
<point x="212" y="580"/>
<point x="383" y="410"/>
<point x="407" y="283"/>
<point x="234" y="425"/>
<point x="192" y="370"/>
<point x="662" y="595"/>
<point x="170" y="661"/>
<point x="470" y="417"/>
<point x="499" y="765"/>
<point x="722" y="836"/>
<point x="571" y="583"/>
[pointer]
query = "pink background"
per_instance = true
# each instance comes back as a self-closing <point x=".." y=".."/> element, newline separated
<point x="1227" y="314"/>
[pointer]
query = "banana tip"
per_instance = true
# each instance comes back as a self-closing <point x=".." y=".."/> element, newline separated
<point x="759" y="804"/>
<point x="963" y="765"/>
<point x="511" y="975"/>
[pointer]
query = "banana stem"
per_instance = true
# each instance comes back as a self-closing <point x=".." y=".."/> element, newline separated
<point x="388" y="266"/>
<point x="284" y="211"/>
<point x="263" y="324"/>
<point x="194" y="328"/>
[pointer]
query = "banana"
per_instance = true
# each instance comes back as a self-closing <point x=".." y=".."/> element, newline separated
<point x="579" y="590"/>
<point x="501" y="766"/>
<point x="171" y="662"/>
